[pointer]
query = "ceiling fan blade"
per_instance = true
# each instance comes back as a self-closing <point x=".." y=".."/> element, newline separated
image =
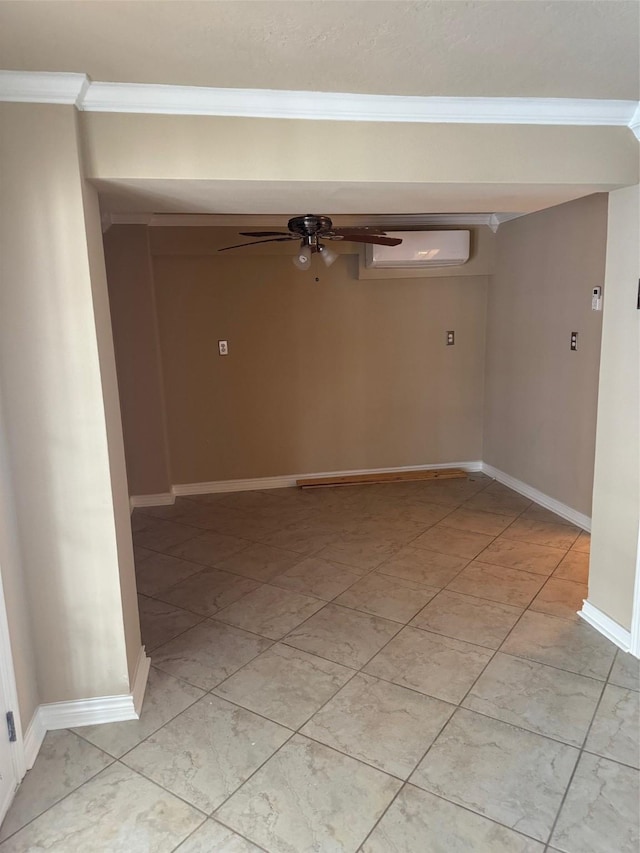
<point x="257" y="242"/>
<point x="370" y="238"/>
<point x="363" y="230"/>
<point x="264" y="233"/>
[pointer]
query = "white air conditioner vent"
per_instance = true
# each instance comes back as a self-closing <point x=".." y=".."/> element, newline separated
<point x="420" y="249"/>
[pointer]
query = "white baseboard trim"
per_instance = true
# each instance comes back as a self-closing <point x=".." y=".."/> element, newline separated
<point x="564" y="511"/>
<point x="161" y="499"/>
<point x="86" y="712"/>
<point x="289" y="480"/>
<point x="140" y="678"/>
<point x="33" y="738"/>
<point x="606" y="626"/>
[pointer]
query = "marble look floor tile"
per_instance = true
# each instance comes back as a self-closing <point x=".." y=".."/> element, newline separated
<point x="64" y="762"/>
<point x="181" y="510"/>
<point x="419" y="822"/>
<point x="381" y="528"/>
<point x="164" y="698"/>
<point x="206" y="752"/>
<point x="467" y="618"/>
<point x="541" y="514"/>
<point x="560" y="598"/>
<point x="476" y="521"/>
<point x="239" y="524"/>
<point x="423" y="513"/>
<point x="379" y="723"/>
<point x="626" y="671"/>
<point x="304" y="539"/>
<point x="157" y="573"/>
<point x="208" y="548"/>
<point x="317" y="577"/>
<point x="615" y="731"/>
<point x="573" y="567"/>
<point x="285" y="684"/>
<point x="118" y="811"/>
<point x="574" y="646"/>
<point x="455" y="543"/>
<point x="140" y="554"/>
<point x="270" y="611"/>
<point x="208" y="591"/>
<point x="260" y="562"/>
<point x="213" y="837"/>
<point x="309" y="797"/>
<point x="160" y="535"/>
<point x="422" y="566"/>
<point x="538" y="532"/>
<point x="343" y="635"/>
<point x="539" y="698"/>
<point x="582" y="543"/>
<point x="435" y="665"/>
<point x="510" y="505"/>
<point x="539" y="559"/>
<point x="449" y="493"/>
<point x="497" y="583"/>
<point x="141" y="521"/>
<point x="392" y="598"/>
<point x="600" y="813"/>
<point x="360" y="551"/>
<point x="505" y="773"/>
<point x="208" y="653"/>
<point x="160" y="622"/>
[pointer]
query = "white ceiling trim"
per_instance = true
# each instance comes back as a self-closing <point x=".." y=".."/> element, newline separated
<point x="43" y="87"/>
<point x="221" y="220"/>
<point x="69" y="88"/>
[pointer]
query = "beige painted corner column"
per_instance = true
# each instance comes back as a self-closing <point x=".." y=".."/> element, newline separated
<point x="616" y="494"/>
<point x="61" y="413"/>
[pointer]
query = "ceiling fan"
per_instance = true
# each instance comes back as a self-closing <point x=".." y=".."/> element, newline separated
<point x="311" y="230"/>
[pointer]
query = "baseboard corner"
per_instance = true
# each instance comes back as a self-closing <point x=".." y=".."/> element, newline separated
<point x="140" y="678"/>
<point x="160" y="499"/>
<point x="563" y="510"/>
<point x="606" y="626"/>
<point x="33" y="737"/>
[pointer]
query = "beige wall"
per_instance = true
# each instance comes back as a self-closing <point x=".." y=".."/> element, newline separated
<point x="616" y="502"/>
<point x="58" y="407"/>
<point x="322" y="376"/>
<point x="540" y="401"/>
<point x="121" y="146"/>
<point x="113" y="423"/>
<point x="132" y="298"/>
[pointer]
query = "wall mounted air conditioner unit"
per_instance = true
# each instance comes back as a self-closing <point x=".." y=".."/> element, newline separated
<point x="420" y="250"/>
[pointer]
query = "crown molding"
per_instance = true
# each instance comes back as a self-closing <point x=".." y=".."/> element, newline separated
<point x="70" y="88"/>
<point x="412" y="221"/>
<point x="343" y="106"/>
<point x="634" y="124"/>
<point x="43" y="87"/>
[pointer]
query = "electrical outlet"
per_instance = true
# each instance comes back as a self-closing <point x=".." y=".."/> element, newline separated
<point x="574" y="341"/>
<point x="451" y="338"/>
<point x="223" y="348"/>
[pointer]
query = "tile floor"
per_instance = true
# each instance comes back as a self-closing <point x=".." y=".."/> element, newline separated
<point x="375" y="669"/>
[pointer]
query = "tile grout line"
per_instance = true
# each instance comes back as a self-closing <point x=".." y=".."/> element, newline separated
<point x="581" y="751"/>
<point x="355" y="672"/>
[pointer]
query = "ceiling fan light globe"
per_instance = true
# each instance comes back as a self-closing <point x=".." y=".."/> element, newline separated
<point x="328" y="255"/>
<point x="302" y="258"/>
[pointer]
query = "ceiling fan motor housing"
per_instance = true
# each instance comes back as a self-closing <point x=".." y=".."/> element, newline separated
<point x="308" y="225"/>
